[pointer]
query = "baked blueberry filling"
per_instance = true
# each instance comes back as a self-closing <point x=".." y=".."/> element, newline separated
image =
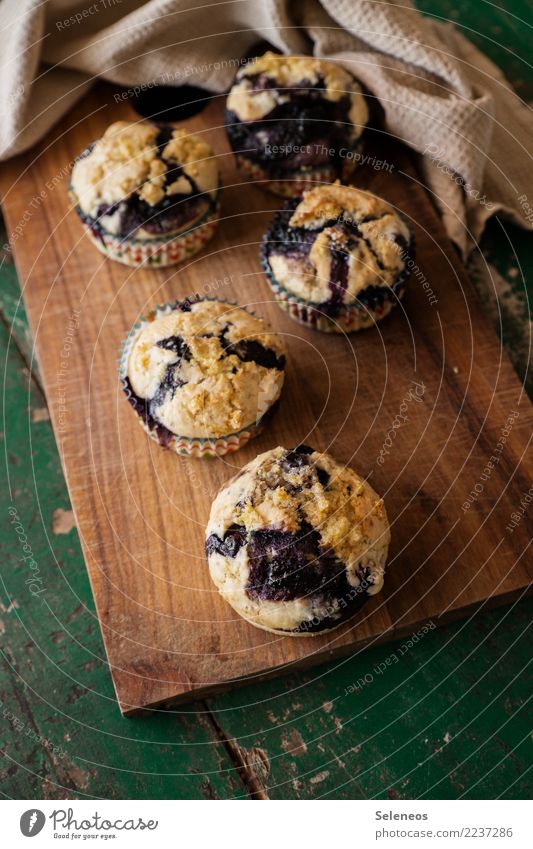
<point x="177" y="345"/>
<point x="230" y="545"/>
<point x="298" y="459"/>
<point x="142" y="408"/>
<point x="296" y="242"/>
<point x="284" y="565"/>
<point x="322" y="476"/>
<point x="147" y="407"/>
<point x="300" y="132"/>
<point x="246" y="350"/>
<point x="170" y="214"/>
<point x="295" y="460"/>
<point x="187" y="304"/>
<point x="251" y="351"/>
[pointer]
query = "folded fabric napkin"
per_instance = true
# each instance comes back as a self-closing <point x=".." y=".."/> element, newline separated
<point x="439" y="94"/>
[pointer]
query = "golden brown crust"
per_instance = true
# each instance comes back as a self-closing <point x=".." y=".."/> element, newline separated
<point x="348" y="512"/>
<point x="287" y="71"/>
<point x="215" y="392"/>
<point x="371" y="248"/>
<point x="274" y="494"/>
<point x="126" y="160"/>
<point x="324" y="203"/>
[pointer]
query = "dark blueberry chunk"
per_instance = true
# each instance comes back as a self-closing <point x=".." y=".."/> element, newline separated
<point x="322" y="476"/>
<point x="251" y="351"/>
<point x="174" y="172"/>
<point x="338" y="281"/>
<point x="170" y="214"/>
<point x="364" y="573"/>
<point x="187" y="304"/>
<point x="167" y="388"/>
<point x="294" y="460"/>
<point x="261" y="82"/>
<point x="285" y="240"/>
<point x="142" y="408"/>
<point x="107" y="209"/>
<point x="401" y="241"/>
<point x="171" y="380"/>
<point x="177" y="345"/>
<point x="163" y="137"/>
<point x="285" y="566"/>
<point x="233" y="540"/>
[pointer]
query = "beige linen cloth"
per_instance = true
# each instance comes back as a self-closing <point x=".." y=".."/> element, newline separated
<point x="439" y="94"/>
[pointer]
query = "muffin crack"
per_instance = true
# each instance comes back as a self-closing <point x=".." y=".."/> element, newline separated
<point x="144" y="181"/>
<point x="199" y="374"/>
<point x="290" y="554"/>
<point x="341" y="248"/>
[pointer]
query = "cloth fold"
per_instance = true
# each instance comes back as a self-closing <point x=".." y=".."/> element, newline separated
<point x="439" y="94"/>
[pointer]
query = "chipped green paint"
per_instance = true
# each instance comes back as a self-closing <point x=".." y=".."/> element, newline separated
<point x="61" y="734"/>
<point x="449" y="721"/>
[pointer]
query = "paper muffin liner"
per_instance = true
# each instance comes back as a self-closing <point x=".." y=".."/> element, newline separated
<point x="160" y="251"/>
<point x="351" y="317"/>
<point x="188" y="446"/>
<point x="300" y="180"/>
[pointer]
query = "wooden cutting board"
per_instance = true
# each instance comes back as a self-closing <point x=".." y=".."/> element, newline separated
<point x="141" y="511"/>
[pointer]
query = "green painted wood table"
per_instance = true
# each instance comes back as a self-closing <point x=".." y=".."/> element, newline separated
<point x="450" y="720"/>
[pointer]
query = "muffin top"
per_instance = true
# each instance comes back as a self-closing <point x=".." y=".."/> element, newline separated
<point x="145" y="167"/>
<point x="204" y="369"/>
<point x="294" y="533"/>
<point x="334" y="243"/>
<point x="271" y="81"/>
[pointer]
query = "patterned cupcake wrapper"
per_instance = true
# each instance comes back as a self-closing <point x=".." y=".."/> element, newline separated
<point x="158" y="252"/>
<point x="351" y="317"/>
<point x="188" y="446"/>
<point x="301" y="180"/>
<point x="203" y="449"/>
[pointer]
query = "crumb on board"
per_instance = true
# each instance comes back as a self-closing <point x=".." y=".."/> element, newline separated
<point x="40" y="414"/>
<point x="63" y="521"/>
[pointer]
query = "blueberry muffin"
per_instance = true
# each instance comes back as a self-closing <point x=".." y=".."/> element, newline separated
<point x="201" y="375"/>
<point x="296" y="543"/>
<point x="293" y="121"/>
<point x="147" y="195"/>
<point x="338" y="259"/>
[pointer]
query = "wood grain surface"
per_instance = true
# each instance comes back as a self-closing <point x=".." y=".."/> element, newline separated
<point x="141" y="511"/>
